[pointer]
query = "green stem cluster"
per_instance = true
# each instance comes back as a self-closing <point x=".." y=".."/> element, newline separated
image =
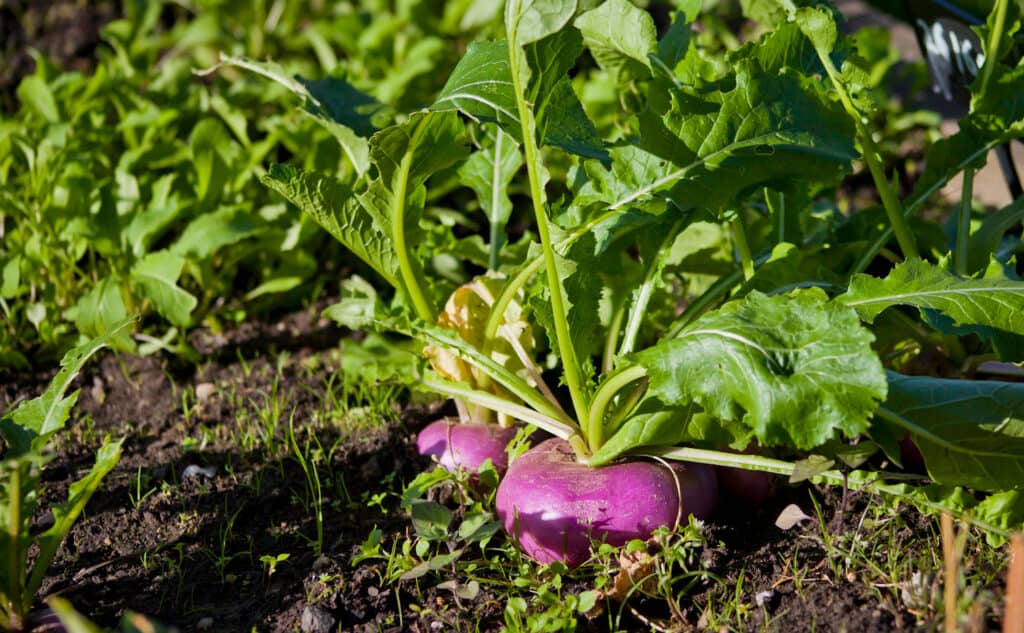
<point x="570" y="364"/>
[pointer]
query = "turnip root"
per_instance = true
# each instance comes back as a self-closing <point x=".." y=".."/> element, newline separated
<point x="910" y="454"/>
<point x="753" y="486"/>
<point x="465" y="445"/>
<point x="554" y="506"/>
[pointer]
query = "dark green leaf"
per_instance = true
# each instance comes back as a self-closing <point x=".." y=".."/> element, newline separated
<point x="481" y="86"/>
<point x="766" y="130"/>
<point x="364" y="231"/>
<point x="794" y="385"/>
<point x="994" y="303"/>
<point x="970" y="432"/>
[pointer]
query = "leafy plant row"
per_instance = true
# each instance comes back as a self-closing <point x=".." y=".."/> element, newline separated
<point x="134" y="189"/>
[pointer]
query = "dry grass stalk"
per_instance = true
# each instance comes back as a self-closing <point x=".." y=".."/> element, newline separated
<point x="951" y="556"/>
<point x="1013" y="618"/>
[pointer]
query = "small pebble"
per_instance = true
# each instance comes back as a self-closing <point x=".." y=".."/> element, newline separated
<point x="204" y="390"/>
<point x="763" y="597"/>
<point x="193" y="470"/>
<point x="316" y="620"/>
<point x="321" y="563"/>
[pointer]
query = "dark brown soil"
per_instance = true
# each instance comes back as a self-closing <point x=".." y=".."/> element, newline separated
<point x="189" y="552"/>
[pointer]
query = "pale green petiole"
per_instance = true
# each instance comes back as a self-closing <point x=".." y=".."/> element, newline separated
<point x="563" y="338"/>
<point x="500" y="405"/>
<point x="410" y="279"/>
<point x="603" y="398"/>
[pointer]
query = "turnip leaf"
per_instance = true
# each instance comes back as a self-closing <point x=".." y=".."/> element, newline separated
<point x="970" y="432"/>
<point x="532" y="20"/>
<point x="662" y="427"/>
<point x="488" y="172"/>
<point x="332" y="204"/>
<point x="481" y="86"/>
<point x="794" y="368"/>
<point x="764" y="130"/>
<point x="622" y="52"/>
<point x="989" y="302"/>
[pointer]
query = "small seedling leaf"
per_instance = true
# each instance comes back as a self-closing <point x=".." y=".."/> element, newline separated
<point x="810" y="467"/>
<point x="430" y="519"/>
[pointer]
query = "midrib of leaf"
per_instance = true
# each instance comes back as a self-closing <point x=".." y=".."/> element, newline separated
<point x="891" y="416"/>
<point x="495" y="199"/>
<point x="472" y="97"/>
<point x="729" y="335"/>
<point x="926" y="293"/>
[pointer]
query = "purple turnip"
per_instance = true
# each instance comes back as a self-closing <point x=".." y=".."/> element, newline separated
<point x="553" y="506"/>
<point x="465" y="445"/>
<point x="753" y="486"/>
<point x="910" y="454"/>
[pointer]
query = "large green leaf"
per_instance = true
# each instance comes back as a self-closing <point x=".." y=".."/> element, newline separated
<point x="764" y="130"/>
<point x="653" y="424"/>
<point x="794" y="368"/>
<point x="481" y="86"/>
<point x="621" y="51"/>
<point x="970" y="432"/>
<point x="157" y="275"/>
<point x="993" y="303"/>
<point x="335" y="207"/>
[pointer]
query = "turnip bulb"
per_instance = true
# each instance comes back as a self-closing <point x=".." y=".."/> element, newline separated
<point x="753" y="486"/>
<point x="465" y="445"/>
<point x="553" y="506"/>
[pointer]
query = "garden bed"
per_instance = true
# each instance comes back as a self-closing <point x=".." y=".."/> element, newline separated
<point x="187" y="550"/>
